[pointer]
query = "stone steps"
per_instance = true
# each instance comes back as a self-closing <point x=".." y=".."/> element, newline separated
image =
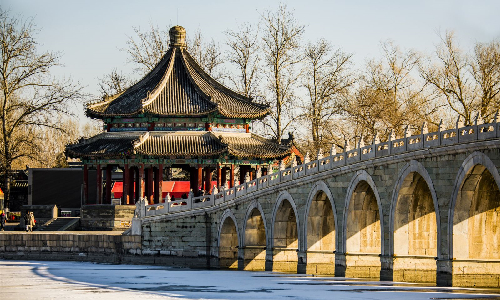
<point x="57" y="224"/>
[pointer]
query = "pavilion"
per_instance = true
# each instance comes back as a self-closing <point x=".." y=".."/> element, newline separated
<point x="176" y="116"/>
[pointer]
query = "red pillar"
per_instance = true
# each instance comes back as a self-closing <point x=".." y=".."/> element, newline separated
<point x="231" y="177"/>
<point x="99" y="185"/>
<point x="223" y="176"/>
<point x="155" y="186"/>
<point x="85" y="184"/>
<point x="193" y="178"/>
<point x="126" y="183"/>
<point x="243" y="170"/>
<point x="108" y="185"/>
<point x="219" y="176"/>
<point x="158" y="184"/>
<point x="208" y="180"/>
<point x="150" y="185"/>
<point x="200" y="180"/>
<point x="136" y="185"/>
<point x="140" y="183"/>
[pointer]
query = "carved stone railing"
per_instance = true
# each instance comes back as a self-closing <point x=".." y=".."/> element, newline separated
<point x="426" y="140"/>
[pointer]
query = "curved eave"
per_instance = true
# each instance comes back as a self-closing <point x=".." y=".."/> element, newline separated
<point x="246" y="115"/>
<point x="192" y="66"/>
<point x="173" y="115"/>
<point x="99" y="115"/>
<point x="254" y="146"/>
<point x="157" y="154"/>
<point x="242" y="154"/>
<point x="105" y="145"/>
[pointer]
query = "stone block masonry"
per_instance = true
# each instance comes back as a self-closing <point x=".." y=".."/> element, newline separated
<point x="106" y="217"/>
<point x="96" y="247"/>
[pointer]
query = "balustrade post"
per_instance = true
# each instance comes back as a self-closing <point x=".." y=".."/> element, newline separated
<point x="440" y="128"/>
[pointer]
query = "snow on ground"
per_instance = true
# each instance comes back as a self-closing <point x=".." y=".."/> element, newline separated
<point x="81" y="280"/>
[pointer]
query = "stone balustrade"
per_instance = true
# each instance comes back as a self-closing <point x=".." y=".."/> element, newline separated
<point x="426" y="140"/>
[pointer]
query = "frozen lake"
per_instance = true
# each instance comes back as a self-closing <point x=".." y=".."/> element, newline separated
<point x="80" y="280"/>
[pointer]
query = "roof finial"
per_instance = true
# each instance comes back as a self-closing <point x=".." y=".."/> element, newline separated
<point x="177" y="36"/>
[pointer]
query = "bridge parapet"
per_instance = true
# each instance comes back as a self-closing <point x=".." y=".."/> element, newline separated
<point x="425" y="140"/>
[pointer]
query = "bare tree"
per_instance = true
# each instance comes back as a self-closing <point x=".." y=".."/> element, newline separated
<point x="208" y="55"/>
<point x="389" y="96"/>
<point x="114" y="83"/>
<point x="485" y="67"/>
<point x="91" y="127"/>
<point x="281" y="47"/>
<point x="451" y="79"/>
<point x="327" y="78"/>
<point x="53" y="144"/>
<point x="147" y="48"/>
<point x="243" y="53"/>
<point x="31" y="99"/>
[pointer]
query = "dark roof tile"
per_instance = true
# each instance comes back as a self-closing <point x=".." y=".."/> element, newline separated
<point x="181" y="144"/>
<point x="178" y="86"/>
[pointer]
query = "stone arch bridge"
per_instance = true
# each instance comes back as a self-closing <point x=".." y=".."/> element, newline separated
<point x="423" y="208"/>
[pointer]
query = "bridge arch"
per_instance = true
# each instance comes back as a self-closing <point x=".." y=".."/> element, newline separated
<point x="475" y="212"/>
<point x="284" y="238"/>
<point x="228" y="240"/>
<point x="414" y="223"/>
<point x="319" y="230"/>
<point x="363" y="227"/>
<point x="254" y="238"/>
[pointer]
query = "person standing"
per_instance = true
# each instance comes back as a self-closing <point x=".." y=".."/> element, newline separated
<point x="27" y="220"/>
<point x="2" y="220"/>
<point x="32" y="221"/>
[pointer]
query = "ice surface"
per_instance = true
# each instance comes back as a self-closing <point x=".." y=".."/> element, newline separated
<point x="81" y="280"/>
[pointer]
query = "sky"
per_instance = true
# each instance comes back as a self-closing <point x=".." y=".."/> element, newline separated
<point x="90" y="34"/>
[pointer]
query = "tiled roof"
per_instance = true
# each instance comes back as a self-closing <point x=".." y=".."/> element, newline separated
<point x="107" y="144"/>
<point x="181" y="144"/>
<point x="230" y="103"/>
<point x="178" y="86"/>
<point x="254" y="146"/>
<point x="178" y="143"/>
